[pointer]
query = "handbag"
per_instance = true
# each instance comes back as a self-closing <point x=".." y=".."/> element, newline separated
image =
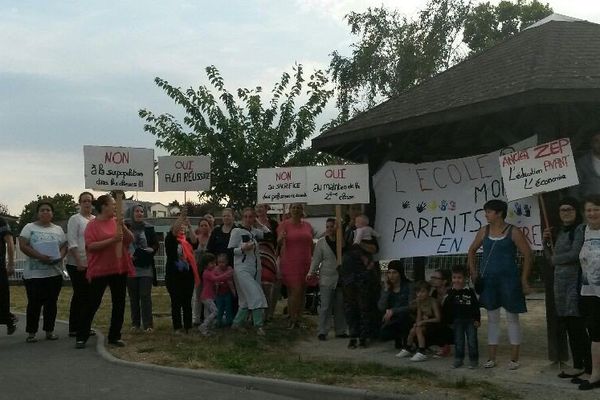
<point x="478" y="283"/>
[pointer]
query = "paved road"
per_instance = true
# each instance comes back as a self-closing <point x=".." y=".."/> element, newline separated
<point x="57" y="371"/>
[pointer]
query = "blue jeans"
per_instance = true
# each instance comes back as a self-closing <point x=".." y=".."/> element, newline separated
<point x="224" y="304"/>
<point x="465" y="328"/>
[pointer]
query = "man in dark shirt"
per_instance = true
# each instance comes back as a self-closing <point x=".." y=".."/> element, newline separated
<point x="7" y="268"/>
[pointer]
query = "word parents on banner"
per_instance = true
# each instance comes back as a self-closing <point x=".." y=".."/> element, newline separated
<point x="338" y="184"/>
<point x="436" y="208"/>
<point x="118" y="168"/>
<point x="539" y="169"/>
<point x="183" y="173"/>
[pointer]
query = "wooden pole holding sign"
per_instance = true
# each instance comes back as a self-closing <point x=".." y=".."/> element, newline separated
<point x="546" y="221"/>
<point x="338" y="234"/>
<point x="119" y="215"/>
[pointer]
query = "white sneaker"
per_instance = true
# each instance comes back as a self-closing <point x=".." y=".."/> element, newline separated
<point x="489" y="364"/>
<point x="404" y="353"/>
<point x="418" y="357"/>
<point x="512" y="365"/>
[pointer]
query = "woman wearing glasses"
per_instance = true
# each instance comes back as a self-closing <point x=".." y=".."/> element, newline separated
<point x="563" y="254"/>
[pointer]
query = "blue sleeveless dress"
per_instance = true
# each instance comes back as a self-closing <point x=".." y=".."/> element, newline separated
<point x="500" y="274"/>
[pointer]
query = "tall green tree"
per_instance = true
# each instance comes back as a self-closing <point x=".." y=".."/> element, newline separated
<point x="240" y="131"/>
<point x="64" y="206"/>
<point x="489" y="24"/>
<point x="393" y="53"/>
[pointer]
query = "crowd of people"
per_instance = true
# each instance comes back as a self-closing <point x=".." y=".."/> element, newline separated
<point x="234" y="274"/>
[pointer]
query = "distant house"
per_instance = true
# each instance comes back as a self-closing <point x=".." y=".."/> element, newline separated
<point x="174" y="211"/>
<point x="158" y="210"/>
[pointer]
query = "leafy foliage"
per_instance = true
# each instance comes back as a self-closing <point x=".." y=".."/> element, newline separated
<point x="241" y="132"/>
<point x="64" y="206"/>
<point x="393" y="53"/>
<point x="4" y="209"/>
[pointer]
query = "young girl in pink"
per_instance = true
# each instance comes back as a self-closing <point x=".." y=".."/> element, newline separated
<point x="225" y="292"/>
<point x="210" y="277"/>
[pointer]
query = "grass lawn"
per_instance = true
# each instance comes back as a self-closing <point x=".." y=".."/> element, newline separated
<point x="270" y="356"/>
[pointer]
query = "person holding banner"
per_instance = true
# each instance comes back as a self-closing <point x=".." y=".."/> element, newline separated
<point x="563" y="254"/>
<point x="247" y="270"/>
<point x="590" y="288"/>
<point x="77" y="262"/>
<point x="497" y="279"/>
<point x="296" y="246"/>
<point x="181" y="273"/>
<point x="107" y="242"/>
<point x="45" y="246"/>
<point x="139" y="288"/>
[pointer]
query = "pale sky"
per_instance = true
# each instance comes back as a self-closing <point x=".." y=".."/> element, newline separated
<point x="75" y="73"/>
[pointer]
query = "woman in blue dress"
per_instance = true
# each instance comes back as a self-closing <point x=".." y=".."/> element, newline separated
<point x="503" y="285"/>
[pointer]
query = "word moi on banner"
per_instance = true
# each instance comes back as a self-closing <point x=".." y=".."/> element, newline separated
<point x="539" y="169"/>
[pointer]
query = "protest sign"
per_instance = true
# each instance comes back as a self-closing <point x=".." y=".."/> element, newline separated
<point x="338" y="184"/>
<point x="118" y="168"/>
<point x="183" y="173"/>
<point x="281" y="185"/>
<point x="539" y="169"/>
<point x="436" y="208"/>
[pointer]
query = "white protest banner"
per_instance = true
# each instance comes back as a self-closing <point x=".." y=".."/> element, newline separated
<point x="118" y="168"/>
<point x="338" y="184"/>
<point x="436" y="208"/>
<point x="183" y="173"/>
<point x="543" y="168"/>
<point x="281" y="185"/>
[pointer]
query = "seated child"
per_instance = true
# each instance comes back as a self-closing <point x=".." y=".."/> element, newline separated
<point x="428" y="318"/>
<point x="465" y="315"/>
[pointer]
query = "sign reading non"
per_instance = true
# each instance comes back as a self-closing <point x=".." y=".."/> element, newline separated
<point x="281" y="185"/>
<point x="118" y="168"/>
<point x="436" y="208"/>
<point x="539" y="169"/>
<point x="183" y="173"/>
<point x="338" y="184"/>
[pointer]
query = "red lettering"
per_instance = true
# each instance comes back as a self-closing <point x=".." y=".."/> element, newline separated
<point x="283" y="176"/>
<point x="335" y="173"/>
<point x="117" y="157"/>
<point x="550" y="149"/>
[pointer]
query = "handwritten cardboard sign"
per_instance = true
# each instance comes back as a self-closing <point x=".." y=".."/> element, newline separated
<point x="281" y="185"/>
<point x="539" y="169"/>
<point x="338" y="184"/>
<point x="436" y="208"/>
<point x="183" y="173"/>
<point x="118" y="168"/>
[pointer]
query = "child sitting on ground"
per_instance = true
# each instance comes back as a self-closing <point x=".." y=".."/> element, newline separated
<point x="465" y="316"/>
<point x="428" y="318"/>
<point x="210" y="277"/>
<point x="225" y="292"/>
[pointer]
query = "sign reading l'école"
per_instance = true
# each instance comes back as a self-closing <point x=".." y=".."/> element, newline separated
<point x="338" y="184"/>
<point x="118" y="168"/>
<point x="539" y="169"/>
<point x="281" y="185"/>
<point x="183" y="173"/>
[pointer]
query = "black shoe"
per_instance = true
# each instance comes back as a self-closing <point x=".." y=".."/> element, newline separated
<point x="578" y="381"/>
<point x="11" y="328"/>
<point x="80" y="344"/>
<point x="72" y="334"/>
<point x="342" y="336"/>
<point x="352" y="344"/>
<point x="586" y="385"/>
<point x="92" y="332"/>
<point x="564" y="375"/>
<point x="362" y="343"/>
<point x="117" y="343"/>
<point x="322" y="337"/>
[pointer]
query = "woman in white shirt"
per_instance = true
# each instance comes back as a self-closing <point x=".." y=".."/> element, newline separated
<point x="45" y="246"/>
<point x="77" y="261"/>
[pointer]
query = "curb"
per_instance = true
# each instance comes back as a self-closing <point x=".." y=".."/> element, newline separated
<point x="297" y="390"/>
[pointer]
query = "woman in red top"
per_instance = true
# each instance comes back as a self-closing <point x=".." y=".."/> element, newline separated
<point x="106" y="268"/>
<point x="295" y="240"/>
